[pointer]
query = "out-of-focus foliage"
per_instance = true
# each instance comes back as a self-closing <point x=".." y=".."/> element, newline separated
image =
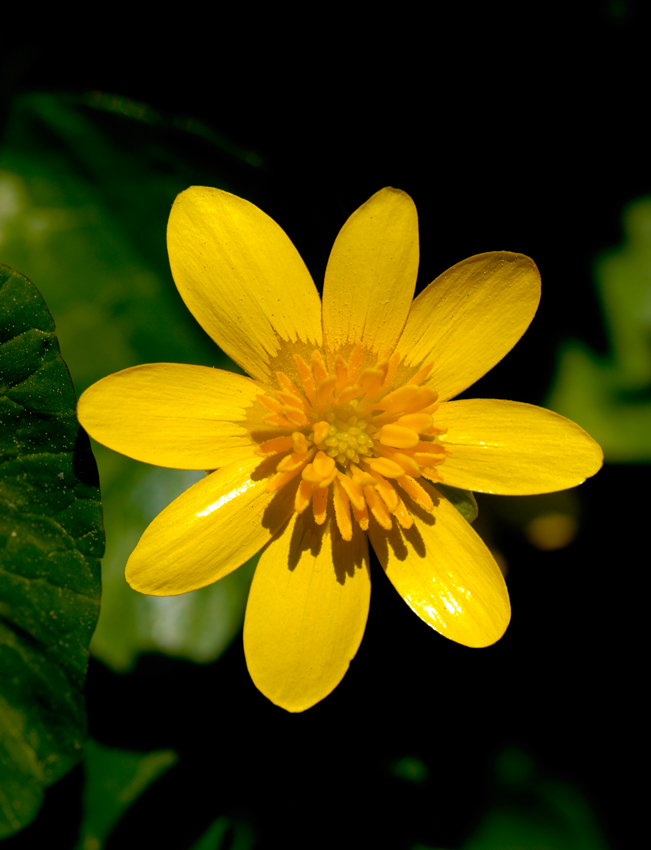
<point x="114" y="780"/>
<point x="532" y="812"/>
<point x="610" y="395"/>
<point x="86" y="185"/>
<point x="225" y="833"/>
<point x="51" y="541"/>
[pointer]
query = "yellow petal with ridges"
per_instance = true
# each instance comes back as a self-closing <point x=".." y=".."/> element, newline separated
<point x="513" y="449"/>
<point x="210" y="530"/>
<point x="469" y="318"/>
<point x="307" y="611"/>
<point x="183" y="417"/>
<point x="371" y="275"/>
<point x="242" y="279"/>
<point x="445" y="573"/>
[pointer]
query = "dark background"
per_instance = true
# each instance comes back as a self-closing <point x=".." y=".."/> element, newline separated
<point x="519" y="131"/>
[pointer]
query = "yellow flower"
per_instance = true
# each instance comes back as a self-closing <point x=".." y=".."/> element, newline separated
<point x="342" y="431"/>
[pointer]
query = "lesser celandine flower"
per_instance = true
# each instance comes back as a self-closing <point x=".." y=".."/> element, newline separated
<point x="342" y="432"/>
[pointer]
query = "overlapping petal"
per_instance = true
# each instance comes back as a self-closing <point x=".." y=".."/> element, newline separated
<point x="307" y="611"/>
<point x="445" y="573"/>
<point x="371" y="275"/>
<point x="242" y="278"/>
<point x="511" y="448"/>
<point x="209" y="531"/>
<point x="183" y="417"/>
<point x="469" y="318"/>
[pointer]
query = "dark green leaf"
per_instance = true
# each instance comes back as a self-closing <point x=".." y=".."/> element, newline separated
<point x="114" y="780"/>
<point x="463" y="500"/>
<point x="51" y="540"/>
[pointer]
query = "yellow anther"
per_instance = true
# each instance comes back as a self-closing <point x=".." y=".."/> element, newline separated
<point x="420" y="422"/>
<point x="303" y="496"/>
<point x="323" y="465"/>
<point x="296" y="416"/>
<point x="349" y="394"/>
<point x="398" y="437"/>
<point x="388" y="493"/>
<point x="307" y="379"/>
<point x="342" y="509"/>
<point x="423" y="398"/>
<point x="402" y="515"/>
<point x="397" y="401"/>
<point x="292" y="401"/>
<point x="371" y="380"/>
<point x="354" y="362"/>
<point x="353" y="491"/>
<point x="318" y="367"/>
<point x="270" y="403"/>
<point x="288" y="385"/>
<point x="280" y="479"/>
<point x="378" y="508"/>
<point x="321" y="431"/>
<point x="320" y="506"/>
<point x="324" y="391"/>
<point x="422" y="373"/>
<point x="275" y="446"/>
<point x="341" y="372"/>
<point x="417" y="493"/>
<point x="300" y="442"/>
<point x="361" y="517"/>
<point x="362" y="479"/>
<point x="291" y="462"/>
<point x="384" y="466"/>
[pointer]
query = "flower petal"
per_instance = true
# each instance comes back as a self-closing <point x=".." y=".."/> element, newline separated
<point x="371" y="275"/>
<point x="167" y="414"/>
<point x="513" y="449"/>
<point x="209" y="531"/>
<point x="306" y="612"/>
<point x="469" y="318"/>
<point x="242" y="278"/>
<point x="445" y="573"/>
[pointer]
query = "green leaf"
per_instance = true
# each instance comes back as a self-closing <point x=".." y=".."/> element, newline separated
<point x="51" y="540"/>
<point x="463" y="500"/>
<point x="610" y="395"/>
<point x="225" y="833"/>
<point x="114" y="780"/>
<point x="86" y="186"/>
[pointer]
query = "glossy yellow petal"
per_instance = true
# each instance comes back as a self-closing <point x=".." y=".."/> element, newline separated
<point x="469" y="318"/>
<point x="444" y="572"/>
<point x="242" y="279"/>
<point x="209" y="531"/>
<point x="184" y="417"/>
<point x="513" y="449"/>
<point x="307" y="611"/>
<point x="371" y="275"/>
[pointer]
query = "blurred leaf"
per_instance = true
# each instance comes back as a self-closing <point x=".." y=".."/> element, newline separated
<point x="531" y="812"/>
<point x="534" y="812"/>
<point x="463" y="500"/>
<point x="224" y="833"/>
<point x="86" y="185"/>
<point x="51" y="535"/>
<point x="411" y="769"/>
<point x="610" y="395"/>
<point x="114" y="780"/>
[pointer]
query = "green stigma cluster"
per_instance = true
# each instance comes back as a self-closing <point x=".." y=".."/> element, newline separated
<point x="349" y="437"/>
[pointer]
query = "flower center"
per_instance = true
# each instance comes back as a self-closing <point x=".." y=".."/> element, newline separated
<point x="353" y="434"/>
<point x="349" y="436"/>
